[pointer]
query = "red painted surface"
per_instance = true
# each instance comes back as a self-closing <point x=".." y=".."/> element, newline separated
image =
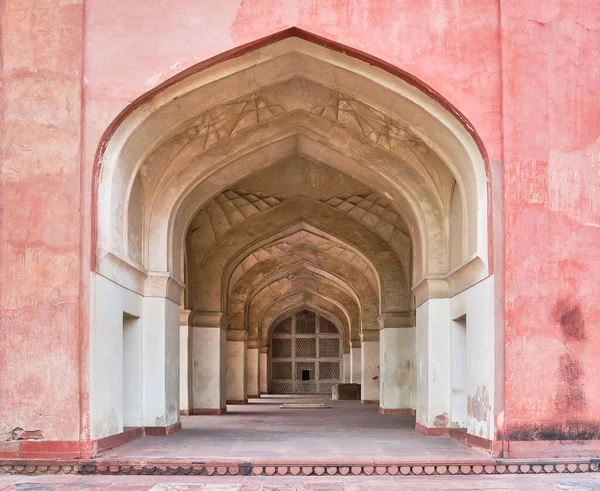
<point x="46" y="449"/>
<point x="552" y="218"/>
<point x="523" y="73"/>
<point x="40" y="128"/>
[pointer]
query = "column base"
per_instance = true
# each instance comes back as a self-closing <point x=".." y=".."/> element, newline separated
<point x="253" y="396"/>
<point x="369" y="401"/>
<point x="184" y="412"/>
<point x="162" y="430"/>
<point x="206" y="411"/>
<point x="432" y="431"/>
<point x="401" y="410"/>
<point x="237" y="402"/>
<point x="50" y="449"/>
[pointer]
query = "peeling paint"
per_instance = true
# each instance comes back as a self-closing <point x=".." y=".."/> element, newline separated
<point x="441" y="420"/>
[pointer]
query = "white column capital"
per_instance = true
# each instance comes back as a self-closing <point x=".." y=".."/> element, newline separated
<point x="236" y="335"/>
<point x="209" y="319"/>
<point x="369" y="337"/>
<point x="396" y="320"/>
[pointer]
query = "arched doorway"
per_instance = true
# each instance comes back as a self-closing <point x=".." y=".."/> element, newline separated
<point x="293" y="177"/>
<point x="306" y="354"/>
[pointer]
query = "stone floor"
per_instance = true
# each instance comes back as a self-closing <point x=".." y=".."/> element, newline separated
<point x="260" y="431"/>
<point x="553" y="482"/>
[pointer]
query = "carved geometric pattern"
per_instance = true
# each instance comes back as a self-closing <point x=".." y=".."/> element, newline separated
<point x="235" y="205"/>
<point x="306" y="322"/>
<point x="221" y="122"/>
<point x="282" y="387"/>
<point x="305" y="365"/>
<point x="325" y="387"/>
<point x="190" y="467"/>
<point x="320" y="354"/>
<point x="284" y="327"/>
<point x="329" y="348"/>
<point x="326" y="326"/>
<point x="282" y="370"/>
<point x="329" y="370"/>
<point x="284" y="245"/>
<point x="306" y="387"/>
<point x="306" y="348"/>
<point x="375" y="212"/>
<point x="365" y="120"/>
<point x="282" y="348"/>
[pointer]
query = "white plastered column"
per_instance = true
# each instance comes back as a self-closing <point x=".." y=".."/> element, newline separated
<point x="160" y="362"/>
<point x="347" y="367"/>
<point x="236" y="367"/>
<point x="184" y="350"/>
<point x="396" y="345"/>
<point x="369" y="367"/>
<point x="208" y="353"/>
<point x="252" y="369"/>
<point x="355" y="363"/>
<point x="263" y="369"/>
<point x="433" y="365"/>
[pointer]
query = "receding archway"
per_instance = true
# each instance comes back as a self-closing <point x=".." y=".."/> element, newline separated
<point x="295" y="156"/>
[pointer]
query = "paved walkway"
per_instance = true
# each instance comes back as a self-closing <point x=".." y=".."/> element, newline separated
<point x="261" y="431"/>
<point x="556" y="482"/>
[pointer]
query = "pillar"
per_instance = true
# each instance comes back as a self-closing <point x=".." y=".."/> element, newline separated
<point x="184" y="374"/>
<point x="160" y="365"/>
<point x="355" y="363"/>
<point x="396" y="383"/>
<point x="369" y="367"/>
<point x="263" y="368"/>
<point x="236" y="367"/>
<point x="252" y="365"/>
<point x="347" y="368"/>
<point x="433" y="366"/>
<point x="208" y="360"/>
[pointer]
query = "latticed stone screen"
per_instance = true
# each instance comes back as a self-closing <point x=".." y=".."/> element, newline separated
<point x="306" y="354"/>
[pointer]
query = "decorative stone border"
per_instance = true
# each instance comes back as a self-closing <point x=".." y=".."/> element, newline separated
<point x="179" y="468"/>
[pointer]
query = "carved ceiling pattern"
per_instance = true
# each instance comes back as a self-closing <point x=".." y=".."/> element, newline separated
<point x="225" y="120"/>
<point x="235" y="205"/>
<point x="304" y="238"/>
<point x="373" y="124"/>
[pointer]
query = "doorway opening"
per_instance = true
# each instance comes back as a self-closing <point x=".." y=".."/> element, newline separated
<point x="132" y="371"/>
<point x="459" y="372"/>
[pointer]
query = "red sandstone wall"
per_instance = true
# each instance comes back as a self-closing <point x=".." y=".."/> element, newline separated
<point x="40" y="127"/>
<point x="551" y="99"/>
<point x="552" y="217"/>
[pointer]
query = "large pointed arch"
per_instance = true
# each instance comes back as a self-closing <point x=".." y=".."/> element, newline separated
<point x="179" y="148"/>
<point x="424" y="119"/>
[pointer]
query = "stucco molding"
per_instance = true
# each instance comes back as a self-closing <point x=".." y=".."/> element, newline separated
<point x="209" y="319"/>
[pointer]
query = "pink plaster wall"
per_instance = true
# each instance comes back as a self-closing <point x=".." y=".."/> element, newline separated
<point x="547" y="61"/>
<point x="552" y="216"/>
<point x="40" y="128"/>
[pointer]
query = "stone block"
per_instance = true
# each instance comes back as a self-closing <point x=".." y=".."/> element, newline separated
<point x="345" y="392"/>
